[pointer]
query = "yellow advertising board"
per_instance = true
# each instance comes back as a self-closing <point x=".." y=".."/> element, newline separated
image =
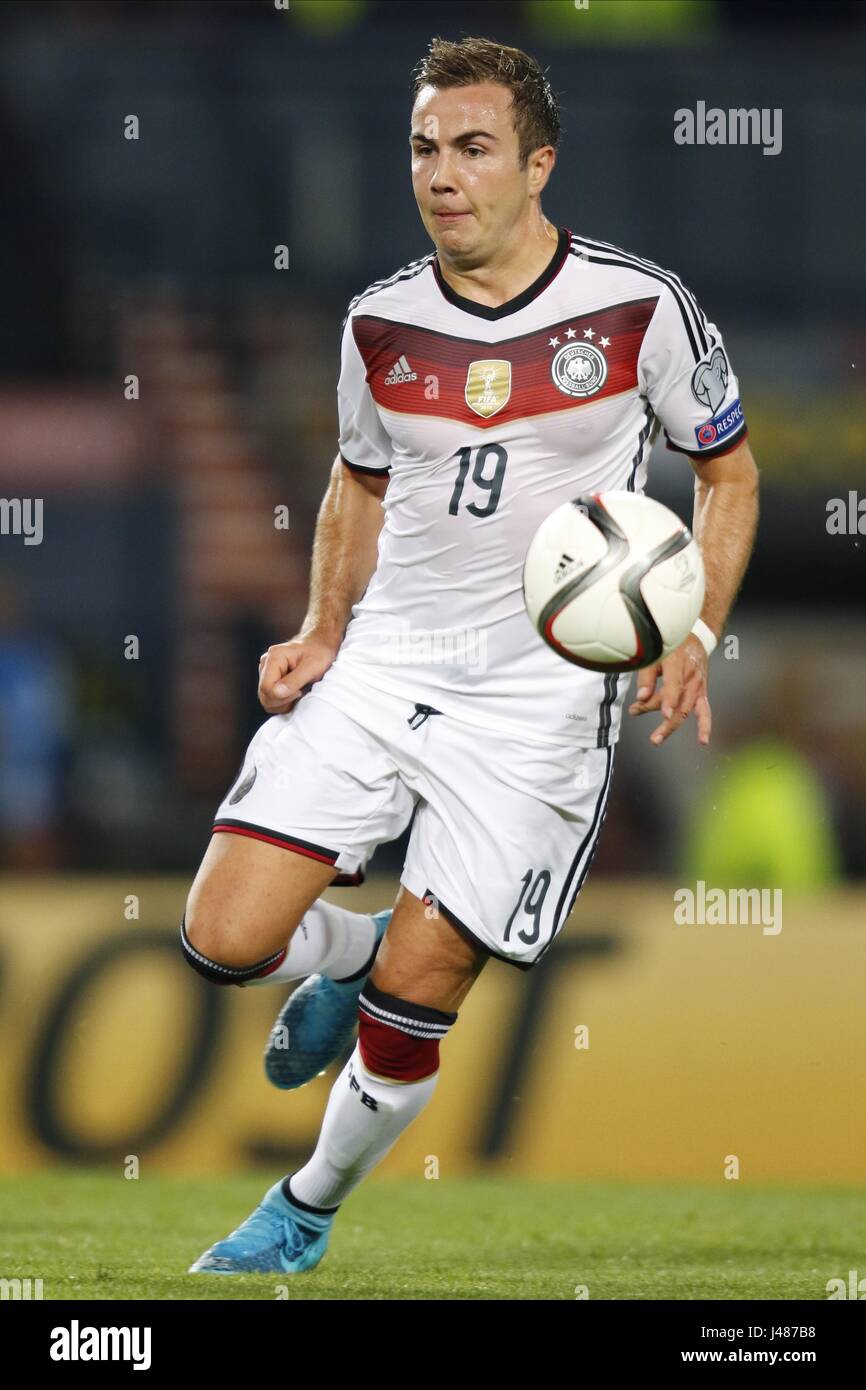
<point x="644" y="1046"/>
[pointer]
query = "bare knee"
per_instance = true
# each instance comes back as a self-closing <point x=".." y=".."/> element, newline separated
<point x="229" y="942"/>
<point x="212" y="948"/>
<point x="247" y="899"/>
<point x="223" y="938"/>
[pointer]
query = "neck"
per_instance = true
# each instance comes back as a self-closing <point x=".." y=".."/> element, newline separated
<point x="519" y="259"/>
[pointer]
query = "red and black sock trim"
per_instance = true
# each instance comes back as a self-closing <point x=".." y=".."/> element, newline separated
<point x="399" y="1040"/>
<point x="420" y="1020"/>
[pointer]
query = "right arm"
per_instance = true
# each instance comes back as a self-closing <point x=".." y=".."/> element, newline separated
<point x="344" y="559"/>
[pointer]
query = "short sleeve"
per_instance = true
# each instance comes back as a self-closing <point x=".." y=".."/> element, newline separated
<point x="364" y="442"/>
<point x="685" y="375"/>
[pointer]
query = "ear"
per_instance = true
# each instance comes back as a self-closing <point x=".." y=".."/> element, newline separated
<point x="540" y="165"/>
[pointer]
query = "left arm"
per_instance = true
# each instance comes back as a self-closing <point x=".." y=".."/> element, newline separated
<point x="725" y="521"/>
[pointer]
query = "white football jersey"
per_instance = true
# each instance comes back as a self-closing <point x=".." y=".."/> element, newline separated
<point x="486" y="419"/>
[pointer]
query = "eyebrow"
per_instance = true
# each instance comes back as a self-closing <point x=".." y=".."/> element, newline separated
<point x="466" y="138"/>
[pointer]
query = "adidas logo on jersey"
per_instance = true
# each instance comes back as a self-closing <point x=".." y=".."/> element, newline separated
<point x="400" y="372"/>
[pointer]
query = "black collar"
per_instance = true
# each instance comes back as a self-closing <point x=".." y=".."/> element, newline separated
<point x="486" y="311"/>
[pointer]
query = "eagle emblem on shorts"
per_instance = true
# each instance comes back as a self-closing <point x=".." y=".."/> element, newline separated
<point x="488" y="386"/>
<point x="243" y="787"/>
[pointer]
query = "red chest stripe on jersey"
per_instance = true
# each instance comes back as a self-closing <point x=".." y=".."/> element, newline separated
<point x="438" y="363"/>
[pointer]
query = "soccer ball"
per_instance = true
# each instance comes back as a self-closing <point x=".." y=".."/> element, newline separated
<point x="613" y="581"/>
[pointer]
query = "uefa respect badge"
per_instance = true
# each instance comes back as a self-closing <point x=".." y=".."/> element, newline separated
<point x="717" y="430"/>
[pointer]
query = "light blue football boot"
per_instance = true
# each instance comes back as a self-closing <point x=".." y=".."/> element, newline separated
<point x="279" y="1238"/>
<point x="316" y="1024"/>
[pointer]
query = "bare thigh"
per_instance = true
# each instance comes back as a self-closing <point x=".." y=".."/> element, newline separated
<point x="248" y="897"/>
<point x="425" y="960"/>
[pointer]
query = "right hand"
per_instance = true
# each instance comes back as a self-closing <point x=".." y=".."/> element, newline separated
<point x="288" y="669"/>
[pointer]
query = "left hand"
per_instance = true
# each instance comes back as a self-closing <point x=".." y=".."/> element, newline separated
<point x="683" y="689"/>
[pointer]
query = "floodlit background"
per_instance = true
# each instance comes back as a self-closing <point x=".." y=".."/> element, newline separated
<point x="129" y="636"/>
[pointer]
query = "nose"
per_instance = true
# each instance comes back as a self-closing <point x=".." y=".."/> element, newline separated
<point x="442" y="177"/>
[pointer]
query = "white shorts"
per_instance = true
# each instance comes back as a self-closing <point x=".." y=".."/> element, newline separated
<point x="504" y="829"/>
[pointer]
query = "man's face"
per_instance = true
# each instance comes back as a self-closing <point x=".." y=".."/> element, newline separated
<point x="465" y="169"/>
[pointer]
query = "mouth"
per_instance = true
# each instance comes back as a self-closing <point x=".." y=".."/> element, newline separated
<point x="448" y="217"/>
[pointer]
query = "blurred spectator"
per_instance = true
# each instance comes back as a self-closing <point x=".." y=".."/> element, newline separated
<point x="34" y="722"/>
<point x="765" y="823"/>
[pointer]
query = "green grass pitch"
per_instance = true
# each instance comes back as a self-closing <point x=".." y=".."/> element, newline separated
<point x="93" y="1235"/>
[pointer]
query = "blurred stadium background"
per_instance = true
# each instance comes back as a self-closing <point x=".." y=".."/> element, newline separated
<point x="153" y="258"/>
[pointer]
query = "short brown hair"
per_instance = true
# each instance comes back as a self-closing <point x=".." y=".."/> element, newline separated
<point x="534" y="106"/>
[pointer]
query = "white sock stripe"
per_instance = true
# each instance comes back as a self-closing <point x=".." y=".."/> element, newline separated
<point x="418" y="1028"/>
<point x="405" y="1018"/>
<point x="408" y="1028"/>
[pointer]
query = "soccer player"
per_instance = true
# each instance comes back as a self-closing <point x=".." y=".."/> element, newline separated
<point x="480" y="387"/>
